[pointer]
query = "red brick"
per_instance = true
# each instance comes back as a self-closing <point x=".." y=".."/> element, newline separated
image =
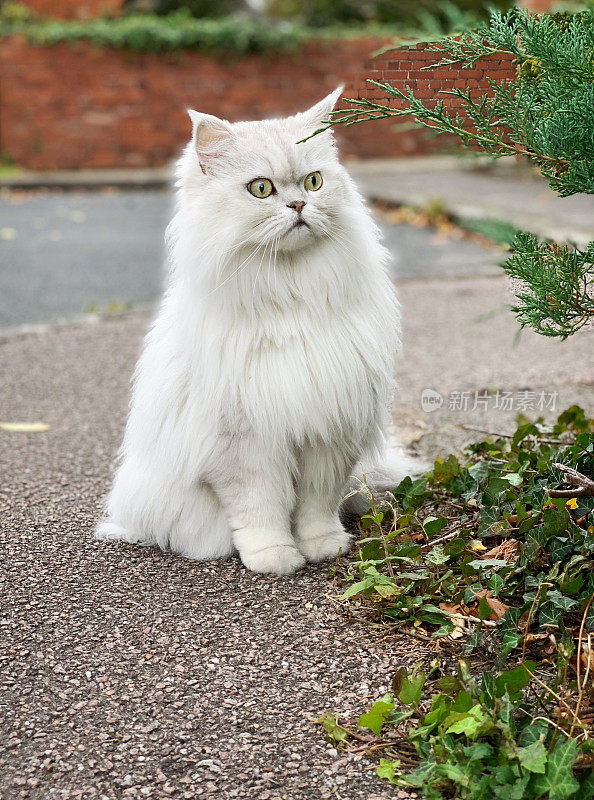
<point x="117" y="108"/>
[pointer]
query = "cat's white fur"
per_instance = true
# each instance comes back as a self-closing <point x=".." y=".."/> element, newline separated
<point x="267" y="373"/>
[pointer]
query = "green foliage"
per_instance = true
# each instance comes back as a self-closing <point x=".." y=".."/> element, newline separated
<point x="335" y="732"/>
<point x="556" y="298"/>
<point x="197" y="8"/>
<point x="499" y="231"/>
<point x="426" y="14"/>
<point x="376" y="717"/>
<point x="545" y="114"/>
<point x="14" y="13"/>
<point x="477" y="739"/>
<point x="146" y="32"/>
<point x="207" y="25"/>
<point x="481" y="550"/>
<point x="475" y="545"/>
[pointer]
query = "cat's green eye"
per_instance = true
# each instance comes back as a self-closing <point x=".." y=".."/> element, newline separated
<point x="313" y="181"/>
<point x="261" y="188"/>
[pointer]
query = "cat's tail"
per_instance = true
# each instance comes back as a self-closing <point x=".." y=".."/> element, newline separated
<point x="379" y="480"/>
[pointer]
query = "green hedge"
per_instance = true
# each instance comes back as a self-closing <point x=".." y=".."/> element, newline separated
<point x="237" y="34"/>
<point x="404" y="13"/>
<point x="177" y="31"/>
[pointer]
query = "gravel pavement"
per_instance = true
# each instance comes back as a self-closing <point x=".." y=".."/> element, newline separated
<point x="130" y="673"/>
<point x="126" y="672"/>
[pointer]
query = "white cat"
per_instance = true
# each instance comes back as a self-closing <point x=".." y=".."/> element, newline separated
<point x="267" y="374"/>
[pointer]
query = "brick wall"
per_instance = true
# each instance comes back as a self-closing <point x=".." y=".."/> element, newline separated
<point x="74" y="9"/>
<point x="411" y="67"/>
<point x="73" y="105"/>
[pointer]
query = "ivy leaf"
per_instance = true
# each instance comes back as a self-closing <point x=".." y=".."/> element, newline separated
<point x="471" y="724"/>
<point x="412" y="688"/>
<point x="558" y="781"/>
<point x="433" y="525"/>
<point x="560" y="548"/>
<point x="586" y="791"/>
<point x="531" y="734"/>
<point x="479" y="471"/>
<point x="358" y="587"/>
<point x="562" y="602"/>
<point x="387" y="769"/>
<point x="334" y="731"/>
<point x="375" y="718"/>
<point x="436" y="556"/>
<point x="528" y="429"/>
<point x="444" y="470"/>
<point x="456" y="774"/>
<point x="487" y="696"/>
<point x="484" y="609"/>
<point x="534" y="757"/>
<point x="549" y="615"/>
<point x="495" y="584"/>
<point x="555" y="521"/>
<point x="481" y="563"/>
<point x="372" y="579"/>
<point x="489" y="517"/>
<point x="495" y="487"/>
<point x="514" y="680"/>
<point x="509" y="641"/>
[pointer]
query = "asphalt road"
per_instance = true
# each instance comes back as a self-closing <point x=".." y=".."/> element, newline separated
<point x="64" y="253"/>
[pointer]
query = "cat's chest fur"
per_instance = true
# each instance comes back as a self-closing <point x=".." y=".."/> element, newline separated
<point x="312" y="370"/>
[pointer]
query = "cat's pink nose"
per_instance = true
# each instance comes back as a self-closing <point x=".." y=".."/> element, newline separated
<point x="297" y="205"/>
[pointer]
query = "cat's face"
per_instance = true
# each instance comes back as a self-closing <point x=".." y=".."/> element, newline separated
<point x="263" y="188"/>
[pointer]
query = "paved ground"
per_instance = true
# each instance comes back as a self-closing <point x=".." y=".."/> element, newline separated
<point x="504" y="191"/>
<point x="65" y="252"/>
<point x="129" y="673"/>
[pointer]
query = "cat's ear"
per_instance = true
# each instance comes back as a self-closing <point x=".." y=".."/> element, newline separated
<point x="210" y="136"/>
<point x="320" y="113"/>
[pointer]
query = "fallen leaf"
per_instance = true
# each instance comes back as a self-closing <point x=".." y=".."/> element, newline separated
<point x="449" y="608"/>
<point x="459" y="629"/>
<point x="24" y="427"/>
<point x="8" y="234"/>
<point x="508" y="550"/>
<point x="498" y="609"/>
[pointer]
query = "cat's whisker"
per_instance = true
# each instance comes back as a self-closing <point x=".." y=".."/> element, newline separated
<point x="268" y="273"/>
<point x="272" y="264"/>
<point x="257" y="274"/>
<point x="228" y="278"/>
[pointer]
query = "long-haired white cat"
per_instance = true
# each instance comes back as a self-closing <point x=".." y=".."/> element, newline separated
<point x="267" y="374"/>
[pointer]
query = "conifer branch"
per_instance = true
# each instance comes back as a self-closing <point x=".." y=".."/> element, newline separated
<point x="546" y="115"/>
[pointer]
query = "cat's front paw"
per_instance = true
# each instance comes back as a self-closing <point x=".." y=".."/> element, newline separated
<point x="281" y="559"/>
<point x="319" y="543"/>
